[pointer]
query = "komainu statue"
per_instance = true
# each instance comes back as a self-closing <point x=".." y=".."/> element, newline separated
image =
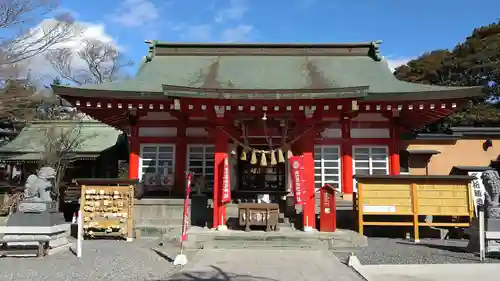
<point x="37" y="192"/>
<point x="491" y="182"/>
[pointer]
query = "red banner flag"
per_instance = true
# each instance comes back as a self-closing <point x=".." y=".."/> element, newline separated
<point x="185" y="221"/>
<point x="226" y="183"/>
<point x="297" y="169"/>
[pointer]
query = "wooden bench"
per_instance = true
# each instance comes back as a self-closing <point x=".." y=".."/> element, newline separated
<point x="259" y="214"/>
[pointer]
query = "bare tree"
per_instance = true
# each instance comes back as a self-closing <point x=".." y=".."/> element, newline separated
<point x="17" y="101"/>
<point x="97" y="62"/>
<point x="22" y="102"/>
<point x="60" y="145"/>
<point x="26" y="32"/>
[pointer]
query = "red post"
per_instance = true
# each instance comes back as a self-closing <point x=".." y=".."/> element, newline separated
<point x="134" y="147"/>
<point x="328" y="209"/>
<point x="221" y="147"/>
<point x="346" y="151"/>
<point x="394" y="163"/>
<point x="309" y="208"/>
<point x="180" y="160"/>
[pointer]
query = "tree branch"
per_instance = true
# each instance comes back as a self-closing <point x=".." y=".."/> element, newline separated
<point x="97" y="62"/>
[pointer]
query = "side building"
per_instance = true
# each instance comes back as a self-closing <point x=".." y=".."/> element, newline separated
<point x="90" y="148"/>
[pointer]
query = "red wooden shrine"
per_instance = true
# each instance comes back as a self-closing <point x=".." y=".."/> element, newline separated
<point x="311" y="99"/>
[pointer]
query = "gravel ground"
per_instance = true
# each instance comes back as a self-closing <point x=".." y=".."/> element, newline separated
<point x="429" y="251"/>
<point x="101" y="260"/>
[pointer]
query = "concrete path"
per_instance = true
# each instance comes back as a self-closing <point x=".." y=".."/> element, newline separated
<point x="429" y="272"/>
<point x="265" y="265"/>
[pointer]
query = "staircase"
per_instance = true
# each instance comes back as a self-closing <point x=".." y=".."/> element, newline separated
<point x="340" y="241"/>
<point x="163" y="217"/>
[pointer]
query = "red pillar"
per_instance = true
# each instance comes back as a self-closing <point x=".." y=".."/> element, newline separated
<point x="346" y="151"/>
<point x="221" y="147"/>
<point x="180" y="160"/>
<point x="134" y="148"/>
<point x="309" y="209"/>
<point x="394" y="164"/>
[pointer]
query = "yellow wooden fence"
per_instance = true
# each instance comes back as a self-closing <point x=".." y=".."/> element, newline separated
<point x="406" y="196"/>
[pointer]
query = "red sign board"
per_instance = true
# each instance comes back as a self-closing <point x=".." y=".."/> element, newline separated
<point x="185" y="221"/>
<point x="226" y="183"/>
<point x="297" y="171"/>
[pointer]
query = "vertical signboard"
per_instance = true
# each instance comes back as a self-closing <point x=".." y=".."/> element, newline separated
<point x="297" y="172"/>
<point x="226" y="183"/>
<point x="478" y="190"/>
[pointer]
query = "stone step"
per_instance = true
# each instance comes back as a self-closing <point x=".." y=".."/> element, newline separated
<point x="158" y="221"/>
<point x="282" y="244"/>
<point x="158" y="230"/>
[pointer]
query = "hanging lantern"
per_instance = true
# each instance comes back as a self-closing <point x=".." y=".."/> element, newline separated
<point x="263" y="160"/>
<point x="281" y="156"/>
<point x="289" y="154"/>
<point x="253" y="159"/>
<point x="273" y="158"/>
<point x="354" y="105"/>
<point x="243" y="156"/>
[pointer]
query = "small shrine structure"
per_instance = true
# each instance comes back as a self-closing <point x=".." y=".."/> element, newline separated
<point x="191" y="106"/>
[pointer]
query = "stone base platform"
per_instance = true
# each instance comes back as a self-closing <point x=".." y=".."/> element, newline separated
<point x="157" y="217"/>
<point x="203" y="238"/>
<point x="29" y="241"/>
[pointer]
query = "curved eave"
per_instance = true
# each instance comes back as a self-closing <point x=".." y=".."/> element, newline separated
<point x="264" y="94"/>
<point x="129" y="93"/>
<point x="412" y="119"/>
<point x="361" y="92"/>
<point x="441" y="93"/>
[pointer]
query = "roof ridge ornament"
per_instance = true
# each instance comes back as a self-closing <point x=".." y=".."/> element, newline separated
<point x="151" y="45"/>
<point x="375" y="50"/>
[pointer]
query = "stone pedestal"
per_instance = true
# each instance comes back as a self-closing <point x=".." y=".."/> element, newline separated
<point x="44" y="219"/>
<point x="492" y="226"/>
<point x="45" y="231"/>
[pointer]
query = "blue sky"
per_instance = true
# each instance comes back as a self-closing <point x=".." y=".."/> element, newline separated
<point x="407" y="28"/>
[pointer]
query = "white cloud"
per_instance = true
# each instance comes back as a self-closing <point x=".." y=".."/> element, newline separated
<point x="225" y="25"/>
<point x="237" y="34"/>
<point x="90" y="31"/>
<point x="135" y="13"/>
<point x="395" y="62"/>
<point x="235" y="11"/>
<point x="40" y="71"/>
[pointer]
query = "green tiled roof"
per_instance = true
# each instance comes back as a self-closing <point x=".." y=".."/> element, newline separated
<point x="93" y="136"/>
<point x="265" y="72"/>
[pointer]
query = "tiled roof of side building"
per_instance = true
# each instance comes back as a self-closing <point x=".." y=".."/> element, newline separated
<point x="92" y="136"/>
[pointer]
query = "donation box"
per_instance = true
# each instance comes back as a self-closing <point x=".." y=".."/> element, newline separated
<point x="328" y="212"/>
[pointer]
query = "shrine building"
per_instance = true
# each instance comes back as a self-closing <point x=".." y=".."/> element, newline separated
<point x="191" y="106"/>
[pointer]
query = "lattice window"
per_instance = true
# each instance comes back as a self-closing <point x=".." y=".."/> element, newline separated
<point x="327" y="166"/>
<point x="370" y="160"/>
<point x="201" y="160"/>
<point x="157" y="164"/>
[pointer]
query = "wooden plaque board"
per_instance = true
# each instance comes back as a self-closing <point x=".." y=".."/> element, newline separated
<point x="107" y="211"/>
